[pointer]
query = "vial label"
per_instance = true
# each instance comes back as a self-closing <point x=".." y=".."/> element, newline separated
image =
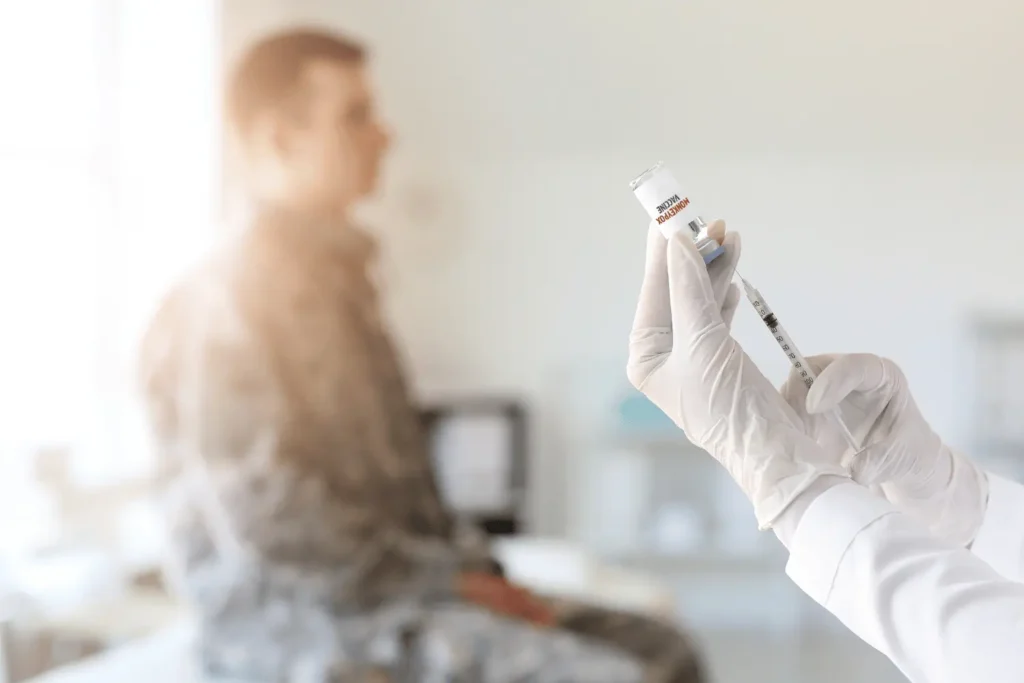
<point x="667" y="205"/>
<point x="674" y="205"/>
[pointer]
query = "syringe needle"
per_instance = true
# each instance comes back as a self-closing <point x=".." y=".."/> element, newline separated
<point x="800" y="364"/>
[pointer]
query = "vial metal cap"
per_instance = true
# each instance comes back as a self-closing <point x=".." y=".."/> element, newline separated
<point x="697" y="225"/>
<point x="709" y="249"/>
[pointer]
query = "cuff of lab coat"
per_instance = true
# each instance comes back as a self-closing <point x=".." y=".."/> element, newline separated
<point x="1000" y="539"/>
<point x="826" y="531"/>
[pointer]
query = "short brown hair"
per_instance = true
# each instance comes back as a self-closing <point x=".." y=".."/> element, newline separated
<point x="270" y="71"/>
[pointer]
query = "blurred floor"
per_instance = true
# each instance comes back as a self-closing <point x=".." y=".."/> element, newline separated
<point x="734" y="657"/>
<point x="781" y="658"/>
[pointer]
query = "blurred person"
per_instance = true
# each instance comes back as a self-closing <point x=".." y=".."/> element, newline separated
<point x="911" y="545"/>
<point x="307" y="527"/>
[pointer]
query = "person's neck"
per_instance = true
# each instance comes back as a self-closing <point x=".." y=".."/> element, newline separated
<point x="319" y="212"/>
<point x="315" y="224"/>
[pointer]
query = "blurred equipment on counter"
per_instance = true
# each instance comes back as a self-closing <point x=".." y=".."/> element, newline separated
<point x="479" y="449"/>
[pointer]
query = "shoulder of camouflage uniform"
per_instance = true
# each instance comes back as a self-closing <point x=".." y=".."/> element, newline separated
<point x="182" y="305"/>
<point x="256" y="277"/>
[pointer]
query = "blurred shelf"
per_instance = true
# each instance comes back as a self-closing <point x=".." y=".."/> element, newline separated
<point x="712" y="562"/>
<point x="644" y="438"/>
<point x="657" y="443"/>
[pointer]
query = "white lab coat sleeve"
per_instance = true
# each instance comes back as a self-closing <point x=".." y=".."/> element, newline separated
<point x="1000" y="540"/>
<point x="940" y="613"/>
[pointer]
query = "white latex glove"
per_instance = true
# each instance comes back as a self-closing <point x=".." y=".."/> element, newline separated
<point x="683" y="359"/>
<point x="902" y="456"/>
<point x="720" y="272"/>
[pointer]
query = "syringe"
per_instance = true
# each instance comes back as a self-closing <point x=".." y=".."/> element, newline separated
<point x="805" y="371"/>
<point x="669" y="206"/>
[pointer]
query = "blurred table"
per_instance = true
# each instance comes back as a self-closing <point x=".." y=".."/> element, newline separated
<point x="138" y="613"/>
<point x="161" y="658"/>
<point x="564" y="569"/>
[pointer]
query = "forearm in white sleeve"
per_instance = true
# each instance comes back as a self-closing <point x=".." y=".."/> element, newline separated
<point x="1000" y="540"/>
<point x="940" y="613"/>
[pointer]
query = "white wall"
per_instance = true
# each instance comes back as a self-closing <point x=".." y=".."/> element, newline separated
<point x="871" y="153"/>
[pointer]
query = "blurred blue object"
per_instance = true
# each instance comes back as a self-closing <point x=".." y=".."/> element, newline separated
<point x="638" y="415"/>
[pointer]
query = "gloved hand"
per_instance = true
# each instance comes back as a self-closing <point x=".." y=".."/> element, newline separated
<point x="683" y="359"/>
<point x="720" y="271"/>
<point x="902" y="456"/>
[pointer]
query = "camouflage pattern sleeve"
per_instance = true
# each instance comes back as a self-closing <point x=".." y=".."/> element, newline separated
<point x="274" y="486"/>
<point x="667" y="653"/>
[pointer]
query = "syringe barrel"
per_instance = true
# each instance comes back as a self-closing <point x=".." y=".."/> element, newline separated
<point x="762" y="309"/>
<point x="804" y="371"/>
<point x="782" y="338"/>
<point x="663" y="199"/>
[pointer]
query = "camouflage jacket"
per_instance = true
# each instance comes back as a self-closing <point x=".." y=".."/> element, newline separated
<point x="292" y="457"/>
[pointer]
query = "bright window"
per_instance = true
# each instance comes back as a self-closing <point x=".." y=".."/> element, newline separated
<point x="109" y="157"/>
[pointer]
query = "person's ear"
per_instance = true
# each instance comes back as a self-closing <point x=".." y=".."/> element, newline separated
<point x="273" y="135"/>
<point x="264" y="138"/>
<point x="280" y="138"/>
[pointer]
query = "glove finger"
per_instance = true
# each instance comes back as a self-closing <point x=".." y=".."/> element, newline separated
<point x="857" y="372"/>
<point x="716" y="230"/>
<point x="732" y="300"/>
<point x="875" y="466"/>
<point x="723" y="268"/>
<point x="866" y="470"/>
<point x="694" y="309"/>
<point x="794" y="390"/>
<point x="653" y="309"/>
<point x="651" y="337"/>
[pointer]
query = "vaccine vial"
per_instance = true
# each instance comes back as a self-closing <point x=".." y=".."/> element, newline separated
<point x="665" y="202"/>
